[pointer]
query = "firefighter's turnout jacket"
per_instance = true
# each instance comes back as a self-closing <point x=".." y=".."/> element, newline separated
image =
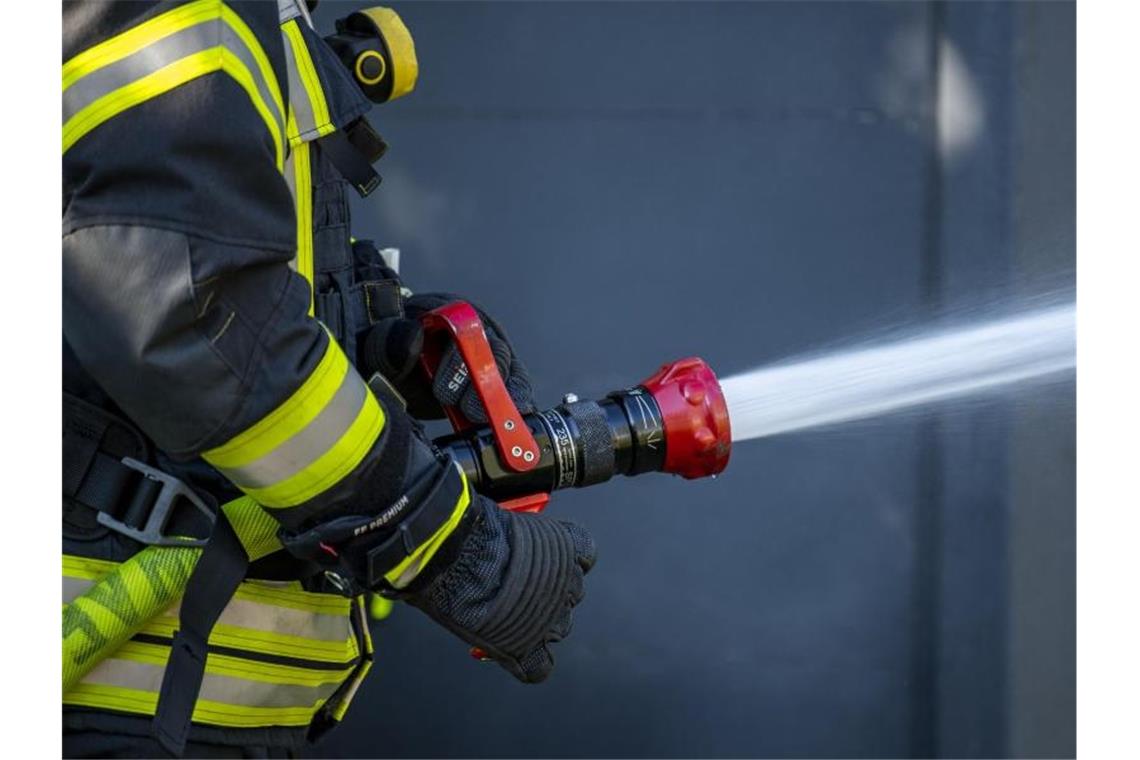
<point x="213" y="298"/>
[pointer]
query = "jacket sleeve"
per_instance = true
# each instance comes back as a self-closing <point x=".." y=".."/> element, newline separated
<point x="178" y="233"/>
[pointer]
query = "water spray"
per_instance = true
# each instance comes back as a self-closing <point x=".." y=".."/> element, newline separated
<point x="678" y="420"/>
<point x="882" y="377"/>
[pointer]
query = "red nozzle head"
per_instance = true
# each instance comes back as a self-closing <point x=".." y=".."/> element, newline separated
<point x="698" y="439"/>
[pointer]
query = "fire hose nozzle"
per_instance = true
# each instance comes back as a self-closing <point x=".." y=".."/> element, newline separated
<point x="698" y="438"/>
<point x="675" y="421"/>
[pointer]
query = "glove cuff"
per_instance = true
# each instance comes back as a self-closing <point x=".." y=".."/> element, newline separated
<point x="411" y="502"/>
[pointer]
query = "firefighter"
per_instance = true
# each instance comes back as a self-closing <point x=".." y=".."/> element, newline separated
<point x="214" y="312"/>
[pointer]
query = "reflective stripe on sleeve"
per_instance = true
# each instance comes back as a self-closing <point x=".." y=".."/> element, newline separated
<point x="306" y="98"/>
<point x="310" y="442"/>
<point x="298" y="176"/>
<point x="157" y="56"/>
<point x="289" y="9"/>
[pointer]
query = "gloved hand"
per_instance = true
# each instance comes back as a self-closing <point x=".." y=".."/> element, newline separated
<point x="393" y="349"/>
<point x="511" y="587"/>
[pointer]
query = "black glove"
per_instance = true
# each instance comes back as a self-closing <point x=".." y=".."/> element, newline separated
<point x="393" y="349"/>
<point x="511" y="587"/>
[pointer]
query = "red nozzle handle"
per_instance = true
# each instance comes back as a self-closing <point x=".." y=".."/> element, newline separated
<point x="516" y="445"/>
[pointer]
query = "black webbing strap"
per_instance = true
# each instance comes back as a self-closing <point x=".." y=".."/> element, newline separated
<point x="215" y="579"/>
<point x="107" y="485"/>
<point x="94" y="445"/>
<point x="352" y="164"/>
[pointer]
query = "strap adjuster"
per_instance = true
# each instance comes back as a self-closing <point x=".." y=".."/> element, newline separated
<point x="432" y="512"/>
<point x="170" y="491"/>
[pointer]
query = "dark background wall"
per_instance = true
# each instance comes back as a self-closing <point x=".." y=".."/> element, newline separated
<point x="628" y="183"/>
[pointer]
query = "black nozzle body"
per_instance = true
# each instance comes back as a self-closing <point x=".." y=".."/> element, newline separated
<point x="580" y="444"/>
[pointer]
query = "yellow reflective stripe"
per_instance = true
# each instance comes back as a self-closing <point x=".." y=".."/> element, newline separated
<point x="350" y="694"/>
<point x="227" y="665"/>
<point x="310" y="82"/>
<point x="264" y="617"/>
<point x="246" y="35"/>
<point x="236" y="667"/>
<point x="310" y="442"/>
<point x="364" y="629"/>
<point x="303" y="200"/>
<point x="205" y="711"/>
<point x="135" y="90"/>
<point x="111" y="611"/>
<point x="278" y="593"/>
<point x="267" y="642"/>
<point x="365" y="664"/>
<point x="331" y="467"/>
<point x="288" y="419"/>
<point x="294" y="597"/>
<point x="87" y="568"/>
<point x="234" y="691"/>
<point x="264" y="642"/>
<point x="165" y="79"/>
<point x="136" y="38"/>
<point x="403" y="573"/>
<point x="233" y="66"/>
<point x="141" y="90"/>
<point x="243" y="617"/>
<point x="250" y="590"/>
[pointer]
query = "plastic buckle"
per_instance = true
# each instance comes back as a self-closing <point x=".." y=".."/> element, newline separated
<point x="152" y="533"/>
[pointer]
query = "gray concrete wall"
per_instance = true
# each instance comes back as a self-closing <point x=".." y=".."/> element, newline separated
<point x="628" y="183"/>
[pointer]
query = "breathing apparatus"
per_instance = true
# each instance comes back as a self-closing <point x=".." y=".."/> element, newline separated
<point x="377" y="49"/>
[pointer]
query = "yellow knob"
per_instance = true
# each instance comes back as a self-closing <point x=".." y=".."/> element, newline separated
<point x="401" y="49"/>
<point x="363" y="59"/>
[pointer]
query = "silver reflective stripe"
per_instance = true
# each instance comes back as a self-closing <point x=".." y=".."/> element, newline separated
<point x="258" y="616"/>
<point x="291" y="183"/>
<point x="298" y="95"/>
<point x="73" y="587"/>
<point x="291" y="9"/>
<point x="237" y="46"/>
<point x="229" y="690"/>
<point x="161" y="53"/>
<point x="251" y="615"/>
<point x="305" y="447"/>
<point x="149" y="59"/>
<point x="291" y="175"/>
